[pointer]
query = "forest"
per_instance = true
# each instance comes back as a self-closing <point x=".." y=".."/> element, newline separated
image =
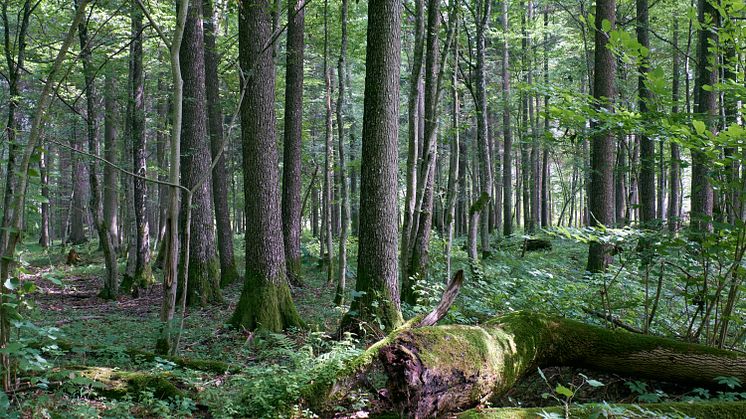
<point x="382" y="208"/>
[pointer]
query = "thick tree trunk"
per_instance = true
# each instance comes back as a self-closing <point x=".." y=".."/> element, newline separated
<point x="203" y="274"/>
<point x="265" y="300"/>
<point x="706" y="106"/>
<point x="601" y="194"/>
<point x="79" y="208"/>
<point x="291" y="161"/>
<point x="142" y="275"/>
<point x="377" y="254"/>
<point x="228" y="271"/>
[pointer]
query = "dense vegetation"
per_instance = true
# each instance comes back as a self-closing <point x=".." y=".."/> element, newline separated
<point x="261" y="209"/>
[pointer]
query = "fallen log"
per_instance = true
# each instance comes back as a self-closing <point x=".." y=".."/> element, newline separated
<point x="434" y="370"/>
<point x="113" y="383"/>
<point x="421" y="370"/>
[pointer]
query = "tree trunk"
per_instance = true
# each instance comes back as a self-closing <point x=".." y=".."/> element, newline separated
<point x="203" y="274"/>
<point x="79" y="209"/>
<point x="110" y="282"/>
<point x="647" y="145"/>
<point x="44" y="168"/>
<point x="345" y="196"/>
<point x="601" y="194"/>
<point x="328" y="156"/>
<point x="706" y="106"/>
<point x="111" y="178"/>
<point x="228" y="271"/>
<point x="377" y="253"/>
<point x="485" y="160"/>
<point x="291" y="166"/>
<point x="454" y="154"/>
<point x="507" y="131"/>
<point x="265" y="300"/>
<point x="415" y="137"/>
<point x="674" y="211"/>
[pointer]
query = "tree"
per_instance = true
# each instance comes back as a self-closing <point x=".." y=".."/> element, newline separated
<point x="291" y="160"/>
<point x="265" y="301"/>
<point x="345" y="204"/>
<point x="377" y="270"/>
<point x="203" y="274"/>
<point x="106" y="241"/>
<point x="706" y="108"/>
<point x="228" y="271"/>
<point x="142" y="276"/>
<point x="647" y="146"/>
<point x="601" y="191"/>
<point x="507" y="132"/>
<point x="674" y="212"/>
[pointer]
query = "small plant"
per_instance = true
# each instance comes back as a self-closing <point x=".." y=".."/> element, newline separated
<point x="565" y="395"/>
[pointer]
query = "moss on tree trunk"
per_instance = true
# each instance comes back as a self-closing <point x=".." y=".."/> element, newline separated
<point x="265" y="304"/>
<point x="430" y="371"/>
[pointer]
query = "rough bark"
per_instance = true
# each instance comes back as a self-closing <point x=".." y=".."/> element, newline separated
<point x="414" y="143"/>
<point x="265" y="301"/>
<point x="706" y="106"/>
<point x="79" y="207"/>
<point x="203" y="275"/>
<point x="111" y="178"/>
<point x="674" y="210"/>
<point x="228" y="271"/>
<point x="485" y="159"/>
<point x="647" y="145"/>
<point x="601" y="193"/>
<point x="142" y="276"/>
<point x="377" y="254"/>
<point x="327" y="200"/>
<point x="345" y="195"/>
<point x="291" y="161"/>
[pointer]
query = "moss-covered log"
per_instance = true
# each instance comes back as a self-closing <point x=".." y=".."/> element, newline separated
<point x="114" y="383"/>
<point x="434" y="370"/>
<point x="708" y="410"/>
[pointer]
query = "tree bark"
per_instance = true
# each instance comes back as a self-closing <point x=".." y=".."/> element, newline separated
<point x="601" y="193"/>
<point x="79" y="208"/>
<point x="706" y="106"/>
<point x="415" y="136"/>
<point x="674" y="210"/>
<point x="265" y="300"/>
<point x="111" y="178"/>
<point x="328" y="156"/>
<point x="647" y="145"/>
<point x="203" y="275"/>
<point x="228" y="271"/>
<point x="345" y="196"/>
<point x="377" y="253"/>
<point x="291" y="161"/>
<point x="485" y="159"/>
<point x="507" y="131"/>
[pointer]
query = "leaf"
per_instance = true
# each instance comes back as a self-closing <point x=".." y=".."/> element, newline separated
<point x="606" y="25"/>
<point x="594" y="383"/>
<point x="560" y="389"/>
<point x="699" y="126"/>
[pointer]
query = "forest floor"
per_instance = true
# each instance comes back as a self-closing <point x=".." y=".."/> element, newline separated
<point x="270" y="369"/>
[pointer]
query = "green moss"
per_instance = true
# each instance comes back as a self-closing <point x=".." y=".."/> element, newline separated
<point x="265" y="303"/>
<point x="703" y="410"/>
<point x="204" y="282"/>
<point x="116" y="384"/>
